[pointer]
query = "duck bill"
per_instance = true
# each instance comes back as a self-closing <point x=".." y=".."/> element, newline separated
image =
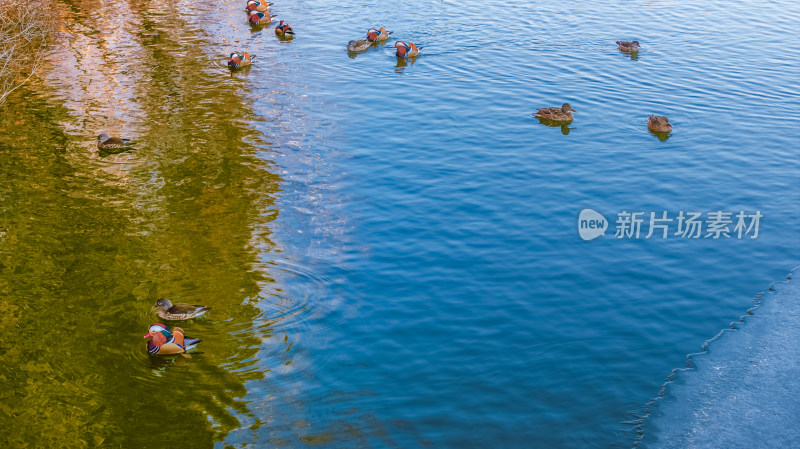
<point x="148" y="335"/>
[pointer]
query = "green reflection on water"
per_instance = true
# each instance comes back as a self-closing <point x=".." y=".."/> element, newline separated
<point x="87" y="244"/>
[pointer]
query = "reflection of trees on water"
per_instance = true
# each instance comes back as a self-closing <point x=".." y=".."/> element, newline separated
<point x="89" y="244"/>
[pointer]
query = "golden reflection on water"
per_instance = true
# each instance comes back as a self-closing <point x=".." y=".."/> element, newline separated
<point x="92" y="241"/>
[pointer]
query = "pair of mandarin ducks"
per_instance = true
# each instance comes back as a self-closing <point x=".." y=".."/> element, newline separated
<point x="258" y="15"/>
<point x="258" y="12"/>
<point x="374" y="35"/>
<point x="165" y="342"/>
<point x="242" y="58"/>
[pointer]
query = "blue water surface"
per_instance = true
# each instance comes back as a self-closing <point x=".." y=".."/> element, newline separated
<point x="466" y="311"/>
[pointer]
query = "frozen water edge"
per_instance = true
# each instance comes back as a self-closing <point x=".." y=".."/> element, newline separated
<point x="742" y="391"/>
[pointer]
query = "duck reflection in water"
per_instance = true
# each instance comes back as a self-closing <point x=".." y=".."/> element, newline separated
<point x="663" y="137"/>
<point x="565" y="128"/>
<point x="241" y="70"/>
<point x="402" y="63"/>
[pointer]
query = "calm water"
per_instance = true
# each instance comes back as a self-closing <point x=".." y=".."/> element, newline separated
<point x="390" y="251"/>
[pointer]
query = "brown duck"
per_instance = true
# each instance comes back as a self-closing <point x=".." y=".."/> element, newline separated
<point x="562" y="114"/>
<point x="628" y="47"/>
<point x="105" y="142"/>
<point x="178" y="311"/>
<point x="658" y="124"/>
<point x="359" y="45"/>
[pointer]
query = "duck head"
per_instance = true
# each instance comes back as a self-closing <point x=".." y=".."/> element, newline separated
<point x="158" y="334"/>
<point x="103" y="137"/>
<point x="164" y="304"/>
<point x="158" y="330"/>
<point x="565" y="108"/>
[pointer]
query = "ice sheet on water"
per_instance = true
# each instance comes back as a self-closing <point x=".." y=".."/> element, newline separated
<point x="744" y="391"/>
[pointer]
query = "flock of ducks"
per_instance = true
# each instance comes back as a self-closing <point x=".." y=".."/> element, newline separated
<point x="164" y="341"/>
<point x="657" y="124"/>
<point x="258" y="15"/>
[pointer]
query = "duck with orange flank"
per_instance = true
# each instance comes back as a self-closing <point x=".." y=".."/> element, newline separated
<point x="239" y="59"/>
<point x="406" y="50"/>
<point x="284" y="30"/>
<point x="259" y="18"/>
<point x="257" y="5"/>
<point x="164" y="342"/>
<point x="377" y="35"/>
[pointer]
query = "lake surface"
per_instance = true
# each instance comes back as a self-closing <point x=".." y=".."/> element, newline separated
<point x="390" y="251"/>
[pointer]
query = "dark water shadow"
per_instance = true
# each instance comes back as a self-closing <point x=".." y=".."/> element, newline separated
<point x="564" y="126"/>
<point x="663" y="137"/>
<point x="633" y="56"/>
<point x="402" y="63"/>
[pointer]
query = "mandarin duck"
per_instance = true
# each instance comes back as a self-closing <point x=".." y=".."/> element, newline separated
<point x="164" y="342"/>
<point x="284" y="30"/>
<point x="178" y="311"/>
<point x="107" y="143"/>
<point x="375" y="35"/>
<point x="405" y="50"/>
<point x="257" y="5"/>
<point x="628" y="47"/>
<point x="561" y="114"/>
<point x="259" y="18"/>
<point x="239" y="59"/>
<point x="658" y="124"/>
